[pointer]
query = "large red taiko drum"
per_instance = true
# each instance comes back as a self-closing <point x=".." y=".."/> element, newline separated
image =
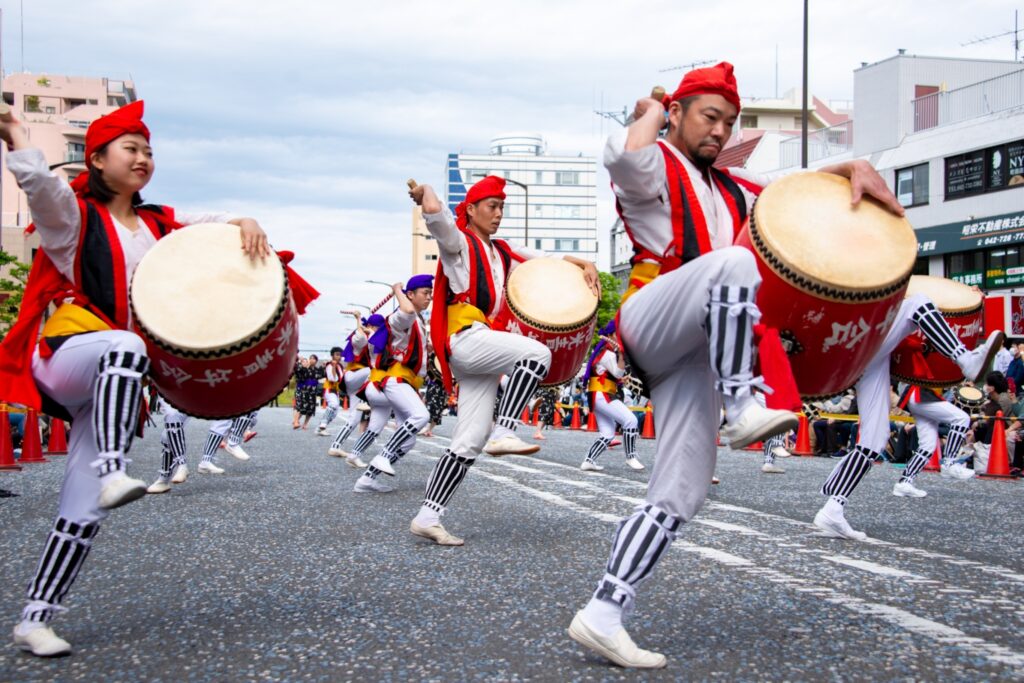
<point x="221" y="330"/>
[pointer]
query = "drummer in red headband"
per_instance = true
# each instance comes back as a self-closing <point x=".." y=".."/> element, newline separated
<point x="471" y="276"/>
<point x="88" y="366"/>
<point x="685" y="323"/>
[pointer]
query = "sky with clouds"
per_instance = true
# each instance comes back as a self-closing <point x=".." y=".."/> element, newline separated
<point x="311" y="115"/>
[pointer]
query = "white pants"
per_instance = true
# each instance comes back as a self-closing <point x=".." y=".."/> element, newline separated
<point x="380" y="409"/>
<point x="928" y="416"/>
<point x="480" y="356"/>
<point x="69" y="377"/>
<point x="354" y="380"/>
<point x="873" y="386"/>
<point x="611" y="414"/>
<point x="410" y="413"/>
<point x="664" y="330"/>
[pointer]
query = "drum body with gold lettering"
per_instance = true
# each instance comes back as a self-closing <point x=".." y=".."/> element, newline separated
<point x="833" y="275"/>
<point x="221" y="330"/>
<point x="547" y="299"/>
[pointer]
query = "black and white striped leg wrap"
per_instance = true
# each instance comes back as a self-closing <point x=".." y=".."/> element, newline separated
<point x="210" y="447"/>
<point x="954" y="442"/>
<point x="597" y="448"/>
<point x="847" y="474"/>
<point x="393" y="448"/>
<point x="117" y="399"/>
<point x="640" y="542"/>
<point x="329" y="416"/>
<point x="729" y="325"/>
<point x="769" y="448"/>
<point x="339" y="439"/>
<point x="629" y="441"/>
<point x="176" y="440"/>
<point x="936" y="330"/>
<point x="915" y="465"/>
<point x="239" y="426"/>
<point x="65" y="552"/>
<point x="166" y="458"/>
<point x="521" y="385"/>
<point x="364" y="442"/>
<point x="445" y="478"/>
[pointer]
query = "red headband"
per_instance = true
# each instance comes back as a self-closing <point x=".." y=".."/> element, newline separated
<point x="715" y="80"/>
<point x="106" y="129"/>
<point x="491" y="186"/>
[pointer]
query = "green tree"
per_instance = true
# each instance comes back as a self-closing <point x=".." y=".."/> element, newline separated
<point x="12" y="287"/>
<point x="608" y="306"/>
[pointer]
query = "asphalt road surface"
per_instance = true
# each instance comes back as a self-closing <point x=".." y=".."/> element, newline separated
<point x="277" y="571"/>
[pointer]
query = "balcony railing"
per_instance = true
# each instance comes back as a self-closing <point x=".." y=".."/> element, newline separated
<point x="978" y="99"/>
<point x="821" y="144"/>
<point x="74" y="157"/>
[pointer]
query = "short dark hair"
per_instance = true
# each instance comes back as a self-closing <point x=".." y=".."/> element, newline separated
<point x="98" y="188"/>
<point x="997" y="381"/>
<point x="336" y="349"/>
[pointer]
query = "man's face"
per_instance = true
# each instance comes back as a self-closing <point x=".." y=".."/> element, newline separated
<point x="336" y="356"/>
<point x="486" y="214"/>
<point x="702" y="130"/>
<point x="421" y="297"/>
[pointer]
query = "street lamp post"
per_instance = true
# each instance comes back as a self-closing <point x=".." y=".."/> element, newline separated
<point x="526" y="214"/>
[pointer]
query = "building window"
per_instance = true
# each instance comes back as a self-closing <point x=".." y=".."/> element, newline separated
<point x="538" y="177"/>
<point x="748" y="121"/>
<point x="567" y="245"/>
<point x="32" y="103"/>
<point x="537" y="244"/>
<point x="567" y="177"/>
<point x="912" y="185"/>
<point x="431" y="257"/>
<point x="75" y="152"/>
<point x="49" y="110"/>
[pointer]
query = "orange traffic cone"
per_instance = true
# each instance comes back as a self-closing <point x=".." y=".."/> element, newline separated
<point x="756" y="446"/>
<point x="935" y="464"/>
<point x="536" y="416"/>
<point x="998" y="459"/>
<point x="58" y="443"/>
<point x="525" y="417"/>
<point x="591" y="422"/>
<point x="648" y="431"/>
<point x="803" y="437"/>
<point x="31" y="444"/>
<point x="575" y="424"/>
<point x="6" y="448"/>
<point x="344" y="403"/>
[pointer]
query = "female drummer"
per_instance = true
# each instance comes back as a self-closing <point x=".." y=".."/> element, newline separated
<point x="604" y="373"/>
<point x="470" y="281"/>
<point x="88" y="367"/>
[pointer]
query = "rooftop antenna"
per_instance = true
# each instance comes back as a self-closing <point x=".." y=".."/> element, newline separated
<point x="691" y="65"/>
<point x="1015" y="33"/>
<point x="622" y="116"/>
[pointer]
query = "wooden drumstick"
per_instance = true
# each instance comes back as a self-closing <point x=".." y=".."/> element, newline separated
<point x="657" y="93"/>
<point x="382" y="302"/>
<point x="5" y="113"/>
<point x="412" y="184"/>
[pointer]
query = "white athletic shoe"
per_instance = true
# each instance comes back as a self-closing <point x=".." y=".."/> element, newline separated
<point x="975" y="363"/>
<point x="120" y="489"/>
<point x="836" y="526"/>
<point x="382" y="464"/>
<point x="180" y="474"/>
<point x="236" y="452"/>
<point x="209" y="468"/>
<point x="757" y="424"/>
<point x="780" y="452"/>
<point x="958" y="471"/>
<point x="588" y="466"/>
<point x="716" y="480"/>
<point x="367" y="485"/>
<point x="41" y="641"/>
<point x="322" y="431"/>
<point x="159" y="486"/>
<point x="619" y="648"/>
<point x="355" y="461"/>
<point x="906" y="489"/>
<point x="510" y="445"/>
<point x="336" y="452"/>
<point x="634" y="464"/>
<point x="436" y="533"/>
<point x="771" y="468"/>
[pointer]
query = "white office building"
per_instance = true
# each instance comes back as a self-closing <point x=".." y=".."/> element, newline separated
<point x="560" y="189"/>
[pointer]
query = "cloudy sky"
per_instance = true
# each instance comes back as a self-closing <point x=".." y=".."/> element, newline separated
<point x="310" y="116"/>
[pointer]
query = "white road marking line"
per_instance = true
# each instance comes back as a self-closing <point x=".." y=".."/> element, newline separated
<point x="872" y="567"/>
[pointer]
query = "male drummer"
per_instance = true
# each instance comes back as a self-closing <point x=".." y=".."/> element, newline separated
<point x="686" y="324"/>
<point x="605" y="368"/>
<point x="333" y="376"/>
<point x="917" y="312"/>
<point x="356" y="355"/>
<point x="404" y="361"/>
<point x="474" y="267"/>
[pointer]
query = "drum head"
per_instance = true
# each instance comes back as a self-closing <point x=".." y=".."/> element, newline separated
<point x="972" y="396"/>
<point x="806" y="222"/>
<point x="551" y="292"/>
<point x="196" y="290"/>
<point x="948" y="296"/>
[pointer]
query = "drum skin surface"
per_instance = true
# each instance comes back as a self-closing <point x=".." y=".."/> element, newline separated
<point x="220" y="329"/>
<point x="962" y="307"/>
<point x="547" y="299"/>
<point x="833" y="275"/>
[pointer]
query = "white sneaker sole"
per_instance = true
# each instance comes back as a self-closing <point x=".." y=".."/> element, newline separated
<point x="832" y="531"/>
<point x="780" y="424"/>
<point x="584" y="639"/>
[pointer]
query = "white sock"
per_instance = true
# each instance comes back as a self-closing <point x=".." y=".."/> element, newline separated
<point x="735" y="405"/>
<point x="834" y="507"/>
<point x="603" y="616"/>
<point x="427" y="517"/>
<point x="24" y="626"/>
<point x="500" y="432"/>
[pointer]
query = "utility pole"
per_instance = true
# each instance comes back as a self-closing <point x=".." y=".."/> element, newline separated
<point x="803" y="122"/>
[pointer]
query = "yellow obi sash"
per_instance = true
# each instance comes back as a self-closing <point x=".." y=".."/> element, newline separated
<point x="354" y="366"/>
<point x="463" y="315"/>
<point x="399" y="371"/>
<point x="376" y="375"/>
<point x="602" y="385"/>
<point x="641" y="274"/>
<point x="333" y="387"/>
<point x="71" y="319"/>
